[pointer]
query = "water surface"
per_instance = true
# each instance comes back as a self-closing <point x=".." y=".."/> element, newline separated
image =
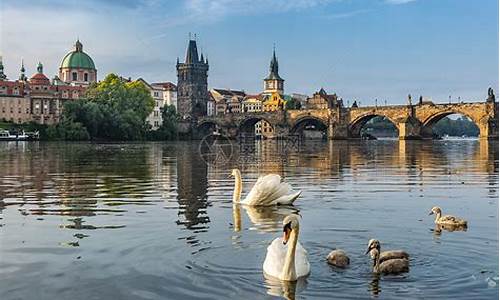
<point x="154" y="221"/>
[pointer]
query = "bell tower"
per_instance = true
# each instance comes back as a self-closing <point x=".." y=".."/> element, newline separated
<point x="273" y="83"/>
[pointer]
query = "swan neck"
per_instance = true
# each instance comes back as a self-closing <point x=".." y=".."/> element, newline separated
<point x="238" y="185"/>
<point x="289" y="272"/>
<point x="376" y="261"/>
<point x="438" y="216"/>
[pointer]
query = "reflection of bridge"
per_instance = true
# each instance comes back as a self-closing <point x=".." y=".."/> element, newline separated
<point x="412" y="121"/>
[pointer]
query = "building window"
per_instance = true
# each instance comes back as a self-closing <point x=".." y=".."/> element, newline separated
<point x="74" y="74"/>
<point x="85" y="77"/>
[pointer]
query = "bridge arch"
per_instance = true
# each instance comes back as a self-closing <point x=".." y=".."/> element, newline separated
<point x="431" y="120"/>
<point x="303" y="122"/>
<point x="247" y="125"/>
<point x="357" y="124"/>
<point x="206" y="127"/>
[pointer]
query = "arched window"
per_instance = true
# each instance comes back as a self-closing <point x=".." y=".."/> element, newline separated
<point x="85" y="77"/>
<point x="75" y="76"/>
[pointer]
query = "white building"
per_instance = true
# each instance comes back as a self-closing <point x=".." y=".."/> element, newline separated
<point x="210" y="105"/>
<point x="169" y="92"/>
<point x="163" y="94"/>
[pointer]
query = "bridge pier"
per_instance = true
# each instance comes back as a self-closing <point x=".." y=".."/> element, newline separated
<point x="409" y="129"/>
<point x="337" y="131"/>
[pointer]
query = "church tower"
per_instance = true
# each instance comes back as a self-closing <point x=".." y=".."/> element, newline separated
<point x="273" y="83"/>
<point x="192" y="85"/>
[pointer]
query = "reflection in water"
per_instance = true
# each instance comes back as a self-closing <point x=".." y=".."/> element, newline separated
<point x="374" y="285"/>
<point x="192" y="188"/>
<point x="285" y="289"/>
<point x="263" y="218"/>
<point x="144" y="207"/>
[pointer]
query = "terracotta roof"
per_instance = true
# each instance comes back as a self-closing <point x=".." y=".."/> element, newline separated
<point x="39" y="78"/>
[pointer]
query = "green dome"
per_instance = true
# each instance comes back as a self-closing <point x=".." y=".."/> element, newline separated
<point x="77" y="59"/>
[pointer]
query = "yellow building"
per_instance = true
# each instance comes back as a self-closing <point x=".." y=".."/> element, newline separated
<point x="274" y="102"/>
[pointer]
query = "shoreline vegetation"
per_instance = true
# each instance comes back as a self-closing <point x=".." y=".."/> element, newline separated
<point x="116" y="110"/>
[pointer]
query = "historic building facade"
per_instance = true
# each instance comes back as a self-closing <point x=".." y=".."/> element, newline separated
<point x="192" y="84"/>
<point x="163" y="94"/>
<point x="322" y="100"/>
<point x="39" y="99"/>
<point x="36" y="99"/>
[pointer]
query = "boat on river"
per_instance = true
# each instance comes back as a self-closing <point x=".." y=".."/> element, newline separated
<point x="5" y="135"/>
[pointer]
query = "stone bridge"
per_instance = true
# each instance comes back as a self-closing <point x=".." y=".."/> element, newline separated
<point x="412" y="121"/>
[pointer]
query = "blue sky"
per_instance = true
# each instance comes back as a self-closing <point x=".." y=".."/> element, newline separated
<point x="360" y="49"/>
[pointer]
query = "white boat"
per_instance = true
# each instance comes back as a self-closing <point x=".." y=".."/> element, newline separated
<point x="5" y="135"/>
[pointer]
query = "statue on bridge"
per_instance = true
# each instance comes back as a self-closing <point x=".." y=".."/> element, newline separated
<point x="409" y="99"/>
<point x="355" y="104"/>
<point x="491" y="95"/>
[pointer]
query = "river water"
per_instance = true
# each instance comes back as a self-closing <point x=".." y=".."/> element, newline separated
<point x="155" y="221"/>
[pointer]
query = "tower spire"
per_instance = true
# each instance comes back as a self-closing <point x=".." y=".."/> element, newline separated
<point x="22" y="76"/>
<point x="192" y="53"/>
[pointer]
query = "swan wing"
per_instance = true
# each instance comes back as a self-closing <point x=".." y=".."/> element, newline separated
<point x="302" y="266"/>
<point x="269" y="190"/>
<point x="275" y="259"/>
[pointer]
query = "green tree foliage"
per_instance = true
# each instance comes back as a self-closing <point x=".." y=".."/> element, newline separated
<point x="293" y="103"/>
<point x="113" y="109"/>
<point x="462" y="126"/>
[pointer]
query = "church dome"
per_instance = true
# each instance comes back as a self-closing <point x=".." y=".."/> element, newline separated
<point x="77" y="59"/>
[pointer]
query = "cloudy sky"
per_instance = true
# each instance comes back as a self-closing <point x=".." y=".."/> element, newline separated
<point x="360" y="49"/>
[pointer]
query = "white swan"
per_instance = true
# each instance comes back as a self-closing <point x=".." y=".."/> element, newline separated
<point x="268" y="190"/>
<point x="287" y="262"/>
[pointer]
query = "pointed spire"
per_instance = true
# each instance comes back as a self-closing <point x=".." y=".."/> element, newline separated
<point x="201" y="57"/>
<point x="273" y="66"/>
<point x="192" y="53"/>
<point x="22" y="76"/>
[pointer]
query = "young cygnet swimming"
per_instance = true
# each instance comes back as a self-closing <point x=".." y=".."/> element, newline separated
<point x="393" y="262"/>
<point x="338" y="258"/>
<point x="446" y="219"/>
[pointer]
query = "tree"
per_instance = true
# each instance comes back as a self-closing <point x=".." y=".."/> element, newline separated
<point x="113" y="109"/>
<point x="168" y="128"/>
<point x="293" y="103"/>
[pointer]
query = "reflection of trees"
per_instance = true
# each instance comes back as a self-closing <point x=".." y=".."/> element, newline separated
<point x="191" y="187"/>
<point x="74" y="179"/>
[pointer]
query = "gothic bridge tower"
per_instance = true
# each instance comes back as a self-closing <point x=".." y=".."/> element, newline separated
<point x="192" y="86"/>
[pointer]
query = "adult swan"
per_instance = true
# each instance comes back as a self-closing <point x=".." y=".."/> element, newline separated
<point x="267" y="191"/>
<point x="287" y="263"/>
